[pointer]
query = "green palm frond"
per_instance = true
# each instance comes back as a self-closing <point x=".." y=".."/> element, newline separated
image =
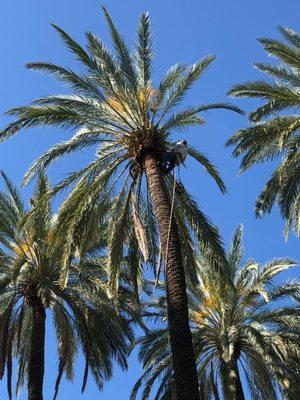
<point x="189" y="76"/>
<point x="274" y="133"/>
<point x="125" y="60"/>
<point x="236" y="250"/>
<point x="209" y="167"/>
<point x="144" y="51"/>
<point x="75" y="48"/>
<point x="287" y="53"/>
<point x="205" y="232"/>
<point x="279" y="72"/>
<point x="291" y="36"/>
<point x="14" y="194"/>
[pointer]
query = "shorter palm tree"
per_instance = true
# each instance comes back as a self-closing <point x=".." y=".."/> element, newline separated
<point x="274" y="135"/>
<point x="83" y="315"/>
<point x="238" y="329"/>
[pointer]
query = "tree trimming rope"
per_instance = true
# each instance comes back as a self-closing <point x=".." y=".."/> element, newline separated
<point x="169" y="232"/>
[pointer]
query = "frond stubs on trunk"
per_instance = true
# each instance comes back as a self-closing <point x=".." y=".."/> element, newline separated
<point x="141" y="144"/>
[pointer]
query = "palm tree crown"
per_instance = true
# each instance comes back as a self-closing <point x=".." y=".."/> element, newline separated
<point x="116" y="106"/>
<point x="84" y="317"/>
<point x="236" y="328"/>
<point x="273" y="135"/>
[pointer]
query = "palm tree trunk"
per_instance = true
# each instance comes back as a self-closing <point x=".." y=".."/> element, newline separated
<point x="37" y="352"/>
<point x="183" y="356"/>
<point x="231" y="380"/>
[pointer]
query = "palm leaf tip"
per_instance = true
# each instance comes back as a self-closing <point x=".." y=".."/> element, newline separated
<point x="144" y="51"/>
<point x="209" y="167"/>
<point x="291" y="35"/>
<point x="122" y="52"/>
<point x="29" y="65"/>
<point x="239" y="90"/>
<point x="234" y="108"/>
<point x="222" y="106"/>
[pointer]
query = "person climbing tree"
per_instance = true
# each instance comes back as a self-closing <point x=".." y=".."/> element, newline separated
<point x="175" y="155"/>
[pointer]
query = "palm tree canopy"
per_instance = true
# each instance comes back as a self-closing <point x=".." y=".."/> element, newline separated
<point x="245" y="322"/>
<point x="274" y="132"/>
<point x="83" y="314"/>
<point x="116" y="106"/>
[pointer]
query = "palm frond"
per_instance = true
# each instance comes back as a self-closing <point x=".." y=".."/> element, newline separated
<point x="144" y="51"/>
<point x="209" y="167"/>
<point x="273" y="135"/>
<point x="124" y="57"/>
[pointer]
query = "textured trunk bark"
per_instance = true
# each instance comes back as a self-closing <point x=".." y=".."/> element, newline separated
<point x="37" y="352"/>
<point x="232" y="386"/>
<point x="183" y="356"/>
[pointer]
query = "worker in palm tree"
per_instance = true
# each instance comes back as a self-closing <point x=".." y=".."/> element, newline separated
<point x="175" y="155"/>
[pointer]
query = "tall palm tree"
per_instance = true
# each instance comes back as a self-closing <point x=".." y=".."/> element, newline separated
<point x="83" y="314"/>
<point x="116" y="106"/>
<point x="237" y="329"/>
<point x="274" y="135"/>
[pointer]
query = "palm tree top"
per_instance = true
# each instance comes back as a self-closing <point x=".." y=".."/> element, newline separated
<point x="114" y="101"/>
<point x="116" y="106"/>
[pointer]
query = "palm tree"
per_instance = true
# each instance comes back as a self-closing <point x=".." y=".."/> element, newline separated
<point x="274" y="135"/>
<point x="83" y="314"/>
<point x="116" y="106"/>
<point x="238" y="329"/>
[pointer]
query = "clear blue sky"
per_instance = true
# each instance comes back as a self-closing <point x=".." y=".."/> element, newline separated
<point x="184" y="31"/>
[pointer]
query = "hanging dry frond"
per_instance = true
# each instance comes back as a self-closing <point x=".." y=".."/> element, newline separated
<point x="140" y="230"/>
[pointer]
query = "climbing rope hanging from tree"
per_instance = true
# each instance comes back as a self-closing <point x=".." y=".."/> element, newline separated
<point x="169" y="231"/>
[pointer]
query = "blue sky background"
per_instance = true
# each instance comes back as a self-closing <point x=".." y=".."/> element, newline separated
<point x="184" y="31"/>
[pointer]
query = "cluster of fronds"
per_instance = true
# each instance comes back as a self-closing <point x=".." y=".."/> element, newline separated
<point x="239" y="327"/>
<point x="273" y="135"/>
<point x="83" y="313"/>
<point x="115" y="106"/>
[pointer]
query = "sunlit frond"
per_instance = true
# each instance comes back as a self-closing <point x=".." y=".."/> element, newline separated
<point x="273" y="134"/>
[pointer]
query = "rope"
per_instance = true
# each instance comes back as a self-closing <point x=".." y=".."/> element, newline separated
<point x="171" y="214"/>
<point x="167" y="252"/>
<point x="169" y="232"/>
<point x="179" y="177"/>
